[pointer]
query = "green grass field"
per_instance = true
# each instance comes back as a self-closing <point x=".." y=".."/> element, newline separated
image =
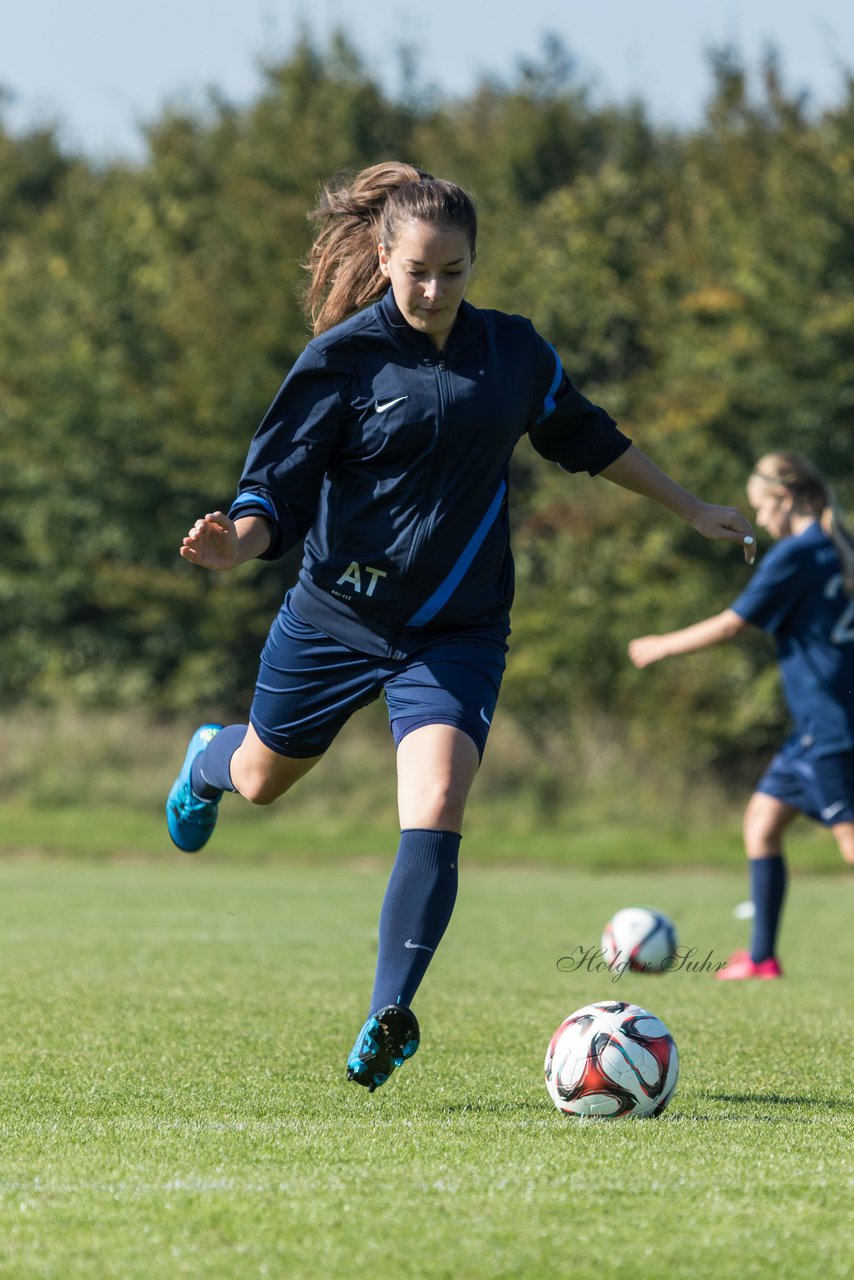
<point x="174" y="1101"/>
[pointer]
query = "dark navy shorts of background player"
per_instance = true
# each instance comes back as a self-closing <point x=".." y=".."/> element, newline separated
<point x="309" y="685"/>
<point x="823" y="789"/>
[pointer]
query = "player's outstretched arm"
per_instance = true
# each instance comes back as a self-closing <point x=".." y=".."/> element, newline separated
<point x="634" y="471"/>
<point x="723" y="626"/>
<point x="215" y="542"/>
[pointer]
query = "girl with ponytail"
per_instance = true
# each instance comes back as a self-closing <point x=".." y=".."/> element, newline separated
<point x="386" y="451"/>
<point x="802" y="594"/>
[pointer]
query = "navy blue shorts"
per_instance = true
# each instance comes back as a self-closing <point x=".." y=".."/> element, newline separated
<point x="309" y="685"/>
<point x="823" y="789"/>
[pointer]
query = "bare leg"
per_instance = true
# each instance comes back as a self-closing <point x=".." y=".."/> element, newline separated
<point x="261" y="775"/>
<point x="436" y="767"/>
<point x="765" y="820"/>
<point x="844" y="834"/>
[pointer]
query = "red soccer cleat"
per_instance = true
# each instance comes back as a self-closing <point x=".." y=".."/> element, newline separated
<point x="740" y="965"/>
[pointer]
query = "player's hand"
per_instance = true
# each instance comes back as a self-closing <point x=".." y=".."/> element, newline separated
<point x="726" y="524"/>
<point x="647" y="649"/>
<point x="212" y="543"/>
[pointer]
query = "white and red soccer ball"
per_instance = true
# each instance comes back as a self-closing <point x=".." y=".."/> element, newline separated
<point x="612" y="1059"/>
<point x="640" y="940"/>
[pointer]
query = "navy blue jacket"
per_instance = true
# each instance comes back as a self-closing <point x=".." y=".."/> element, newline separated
<point x="797" y="595"/>
<point x="391" y="460"/>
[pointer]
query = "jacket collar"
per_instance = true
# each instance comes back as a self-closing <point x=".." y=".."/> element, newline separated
<point x="467" y="326"/>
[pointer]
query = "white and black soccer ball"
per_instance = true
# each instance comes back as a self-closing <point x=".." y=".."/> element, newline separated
<point x="639" y="939"/>
<point x="612" y="1059"/>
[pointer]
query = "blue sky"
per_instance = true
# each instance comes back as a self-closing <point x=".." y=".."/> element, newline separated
<point x="101" y="66"/>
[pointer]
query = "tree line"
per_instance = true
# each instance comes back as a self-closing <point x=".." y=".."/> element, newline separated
<point x="699" y="283"/>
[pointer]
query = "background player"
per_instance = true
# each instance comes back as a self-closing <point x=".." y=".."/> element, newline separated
<point x="801" y="595"/>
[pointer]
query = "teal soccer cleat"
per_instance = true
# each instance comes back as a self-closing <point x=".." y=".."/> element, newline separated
<point x="387" y="1039"/>
<point x="190" y="820"/>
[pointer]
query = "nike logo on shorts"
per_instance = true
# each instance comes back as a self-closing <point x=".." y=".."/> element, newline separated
<point x="832" y="810"/>
<point x="483" y="717"/>
<point x="381" y="408"/>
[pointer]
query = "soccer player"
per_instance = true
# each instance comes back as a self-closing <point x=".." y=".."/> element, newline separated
<point x="387" y="450"/>
<point x="801" y="594"/>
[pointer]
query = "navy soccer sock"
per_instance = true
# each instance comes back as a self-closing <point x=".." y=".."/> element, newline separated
<point x="768" y="885"/>
<point x="211" y="771"/>
<point x="418" y="904"/>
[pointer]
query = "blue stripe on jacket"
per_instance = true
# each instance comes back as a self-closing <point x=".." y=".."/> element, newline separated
<point x="447" y="588"/>
<point x="549" y="403"/>
<point x="253" y="500"/>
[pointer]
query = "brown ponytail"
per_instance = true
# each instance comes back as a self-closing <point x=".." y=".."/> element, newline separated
<point x="354" y="215"/>
<point x="812" y="493"/>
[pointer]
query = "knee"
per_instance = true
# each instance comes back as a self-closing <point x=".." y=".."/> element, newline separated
<point x="440" y="803"/>
<point x="759" y="844"/>
<point x="761" y="838"/>
<point x="259" y="789"/>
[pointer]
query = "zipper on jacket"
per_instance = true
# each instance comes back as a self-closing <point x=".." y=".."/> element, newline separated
<point x="441" y="369"/>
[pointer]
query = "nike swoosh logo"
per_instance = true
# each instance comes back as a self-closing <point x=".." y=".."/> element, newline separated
<point x="483" y="717"/>
<point x="415" y="946"/>
<point x="381" y="408"/>
<point x="832" y="810"/>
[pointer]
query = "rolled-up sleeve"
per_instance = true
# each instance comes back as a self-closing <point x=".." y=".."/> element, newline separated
<point x="289" y="454"/>
<point x="565" y="426"/>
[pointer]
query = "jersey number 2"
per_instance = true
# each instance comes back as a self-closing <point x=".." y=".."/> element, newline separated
<point x="843" y="631"/>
